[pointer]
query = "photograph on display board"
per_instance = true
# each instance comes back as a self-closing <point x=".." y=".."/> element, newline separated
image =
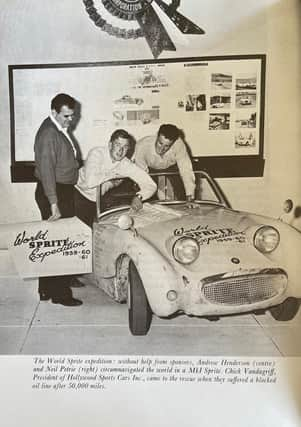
<point x="245" y="139"/>
<point x="246" y="81"/>
<point x="195" y="102"/>
<point x="219" y="121"/>
<point x="245" y="99"/>
<point x="221" y="81"/>
<point x="245" y="119"/>
<point x="220" y="101"/>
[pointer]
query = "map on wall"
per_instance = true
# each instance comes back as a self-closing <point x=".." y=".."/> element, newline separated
<point x="217" y="102"/>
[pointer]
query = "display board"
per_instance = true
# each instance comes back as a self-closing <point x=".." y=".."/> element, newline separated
<point x="218" y="102"/>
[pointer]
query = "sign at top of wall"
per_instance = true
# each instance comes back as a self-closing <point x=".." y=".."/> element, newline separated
<point x="149" y="23"/>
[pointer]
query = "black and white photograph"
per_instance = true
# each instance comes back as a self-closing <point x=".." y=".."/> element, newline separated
<point x="219" y="121"/>
<point x="245" y="119"/>
<point x="245" y="139"/>
<point x="221" y="81"/>
<point x="245" y="82"/>
<point x="128" y="100"/>
<point x="195" y="102"/>
<point x="143" y="116"/>
<point x="245" y="99"/>
<point x="220" y="101"/>
<point x="147" y="77"/>
<point x="150" y="224"/>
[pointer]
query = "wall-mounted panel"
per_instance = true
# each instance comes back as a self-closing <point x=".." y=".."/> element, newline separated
<point x="217" y="101"/>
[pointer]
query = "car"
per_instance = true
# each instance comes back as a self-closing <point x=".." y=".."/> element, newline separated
<point x="126" y="99"/>
<point x="209" y="260"/>
<point x="245" y="141"/>
<point x="245" y="101"/>
<point x="245" y="86"/>
<point x="224" y="84"/>
<point x="218" y="105"/>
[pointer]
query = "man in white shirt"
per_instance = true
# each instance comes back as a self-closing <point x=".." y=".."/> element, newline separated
<point x="166" y="149"/>
<point x="104" y="164"/>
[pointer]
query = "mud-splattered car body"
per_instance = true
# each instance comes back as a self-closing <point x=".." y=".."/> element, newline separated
<point x="206" y="261"/>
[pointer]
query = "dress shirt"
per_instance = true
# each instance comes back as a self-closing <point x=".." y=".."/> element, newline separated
<point x="99" y="168"/>
<point x="64" y="131"/>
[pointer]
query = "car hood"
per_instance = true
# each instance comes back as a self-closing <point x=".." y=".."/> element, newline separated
<point x="223" y="235"/>
<point x="179" y="220"/>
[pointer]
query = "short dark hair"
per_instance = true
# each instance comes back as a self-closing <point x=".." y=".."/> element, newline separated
<point x="120" y="133"/>
<point x="62" y="99"/>
<point x="170" y="132"/>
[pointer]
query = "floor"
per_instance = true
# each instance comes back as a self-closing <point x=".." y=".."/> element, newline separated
<point x="100" y="326"/>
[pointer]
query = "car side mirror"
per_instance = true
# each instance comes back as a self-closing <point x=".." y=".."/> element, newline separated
<point x="288" y="206"/>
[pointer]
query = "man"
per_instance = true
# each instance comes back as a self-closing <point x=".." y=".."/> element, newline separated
<point x="104" y="164"/>
<point x="165" y="150"/>
<point x="56" y="170"/>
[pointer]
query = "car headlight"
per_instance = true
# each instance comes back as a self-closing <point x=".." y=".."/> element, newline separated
<point x="266" y="239"/>
<point x="186" y="250"/>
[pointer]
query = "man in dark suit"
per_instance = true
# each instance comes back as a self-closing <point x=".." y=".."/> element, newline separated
<point x="56" y="170"/>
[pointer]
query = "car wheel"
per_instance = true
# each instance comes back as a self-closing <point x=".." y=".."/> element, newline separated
<point x="140" y="314"/>
<point x="286" y="310"/>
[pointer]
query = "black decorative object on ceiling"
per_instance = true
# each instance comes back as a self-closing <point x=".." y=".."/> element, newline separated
<point x="150" y="25"/>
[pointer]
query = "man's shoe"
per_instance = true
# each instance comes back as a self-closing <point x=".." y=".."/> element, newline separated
<point x="44" y="296"/>
<point x="75" y="283"/>
<point x="68" y="302"/>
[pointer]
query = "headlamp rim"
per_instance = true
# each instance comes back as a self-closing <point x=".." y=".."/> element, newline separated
<point x="177" y="242"/>
<point x="260" y="229"/>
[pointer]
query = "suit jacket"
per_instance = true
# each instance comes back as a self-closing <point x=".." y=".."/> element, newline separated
<point x="55" y="159"/>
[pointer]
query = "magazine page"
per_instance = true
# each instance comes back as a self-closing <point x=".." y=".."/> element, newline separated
<point x="150" y="225"/>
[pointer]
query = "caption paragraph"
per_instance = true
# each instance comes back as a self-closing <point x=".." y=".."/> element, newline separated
<point x="98" y="373"/>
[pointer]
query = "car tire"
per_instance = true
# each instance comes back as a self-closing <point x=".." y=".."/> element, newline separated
<point x="286" y="310"/>
<point x="140" y="314"/>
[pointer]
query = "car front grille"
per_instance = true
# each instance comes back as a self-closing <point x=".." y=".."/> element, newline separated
<point x="244" y="289"/>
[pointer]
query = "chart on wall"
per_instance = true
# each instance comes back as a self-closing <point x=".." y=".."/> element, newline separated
<point x="218" y="102"/>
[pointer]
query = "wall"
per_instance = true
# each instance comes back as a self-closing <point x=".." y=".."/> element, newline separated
<point x="56" y="31"/>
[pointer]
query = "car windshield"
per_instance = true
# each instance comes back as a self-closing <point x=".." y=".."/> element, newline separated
<point x="119" y="192"/>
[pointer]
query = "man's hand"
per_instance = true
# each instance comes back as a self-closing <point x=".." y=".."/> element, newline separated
<point x="136" y="204"/>
<point x="190" y="203"/>
<point x="55" y="212"/>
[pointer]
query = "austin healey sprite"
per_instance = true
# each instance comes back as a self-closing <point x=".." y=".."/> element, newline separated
<point x="206" y="260"/>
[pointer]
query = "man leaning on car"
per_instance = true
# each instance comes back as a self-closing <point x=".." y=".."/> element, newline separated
<point x="104" y="164"/>
<point x="164" y="150"/>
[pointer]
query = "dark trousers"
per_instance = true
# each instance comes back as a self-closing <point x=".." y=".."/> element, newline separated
<point x="56" y="286"/>
<point x="85" y="210"/>
<point x="65" y="196"/>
